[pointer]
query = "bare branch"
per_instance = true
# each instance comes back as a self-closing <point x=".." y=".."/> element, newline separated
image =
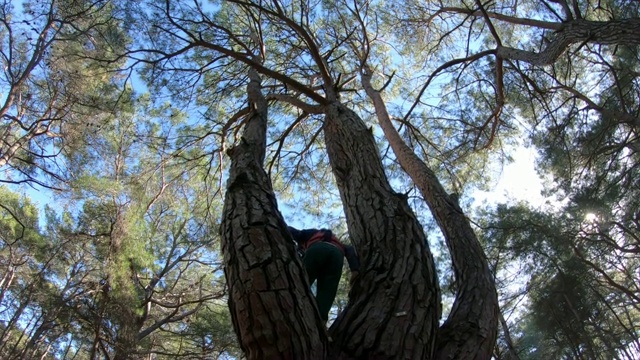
<point x="442" y="67"/>
<point x="308" y="108"/>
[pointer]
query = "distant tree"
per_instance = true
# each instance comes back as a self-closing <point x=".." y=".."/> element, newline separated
<point x="126" y="273"/>
<point x="146" y="220"/>
<point x="58" y="67"/>
<point x="22" y="277"/>
<point x="582" y="300"/>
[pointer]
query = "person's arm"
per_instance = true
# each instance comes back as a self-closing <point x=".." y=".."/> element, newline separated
<point x="352" y="258"/>
<point x="354" y="262"/>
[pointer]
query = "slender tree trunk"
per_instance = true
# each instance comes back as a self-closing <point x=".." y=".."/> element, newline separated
<point x="269" y="298"/>
<point x="7" y="280"/>
<point x="471" y="328"/>
<point x="67" y="348"/>
<point x="394" y="305"/>
<point x="512" y="354"/>
<point x="97" y="326"/>
<point x="11" y="324"/>
<point x="31" y="348"/>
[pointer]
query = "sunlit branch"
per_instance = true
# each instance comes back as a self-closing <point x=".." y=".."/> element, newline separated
<point x="292" y="100"/>
<point x="506" y="18"/>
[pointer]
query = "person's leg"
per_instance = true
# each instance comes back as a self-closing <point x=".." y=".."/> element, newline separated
<point x="328" y="278"/>
<point x="312" y="260"/>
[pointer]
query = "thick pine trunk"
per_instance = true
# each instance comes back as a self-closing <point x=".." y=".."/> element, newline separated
<point x="394" y="305"/>
<point x="471" y="328"/>
<point x="270" y="301"/>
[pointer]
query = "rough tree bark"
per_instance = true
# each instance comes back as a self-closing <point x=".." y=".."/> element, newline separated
<point x="572" y="30"/>
<point x="270" y="301"/>
<point x="471" y="328"/>
<point x="626" y="31"/>
<point x="394" y="306"/>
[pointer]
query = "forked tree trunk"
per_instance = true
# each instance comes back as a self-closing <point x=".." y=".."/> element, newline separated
<point x="270" y="301"/>
<point x="471" y="328"/>
<point x="394" y="306"/>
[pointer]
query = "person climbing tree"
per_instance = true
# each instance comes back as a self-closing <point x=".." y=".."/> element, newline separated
<point x="323" y="256"/>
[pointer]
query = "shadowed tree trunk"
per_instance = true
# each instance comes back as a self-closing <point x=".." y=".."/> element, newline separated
<point x="394" y="305"/>
<point x="269" y="299"/>
<point x="471" y="328"/>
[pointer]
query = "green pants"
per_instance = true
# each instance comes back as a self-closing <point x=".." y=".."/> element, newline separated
<point x="323" y="263"/>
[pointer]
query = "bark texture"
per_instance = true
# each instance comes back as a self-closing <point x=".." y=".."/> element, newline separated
<point x="471" y="328"/>
<point x="615" y="32"/>
<point x="271" y="305"/>
<point x="394" y="305"/>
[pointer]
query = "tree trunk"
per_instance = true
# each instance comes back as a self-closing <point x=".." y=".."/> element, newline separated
<point x="7" y="280"/>
<point x="511" y="353"/>
<point x="126" y="342"/>
<point x="471" y="328"/>
<point x="269" y="297"/>
<point x="394" y="306"/>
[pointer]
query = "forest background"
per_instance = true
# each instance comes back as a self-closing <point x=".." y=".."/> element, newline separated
<point x="163" y="131"/>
